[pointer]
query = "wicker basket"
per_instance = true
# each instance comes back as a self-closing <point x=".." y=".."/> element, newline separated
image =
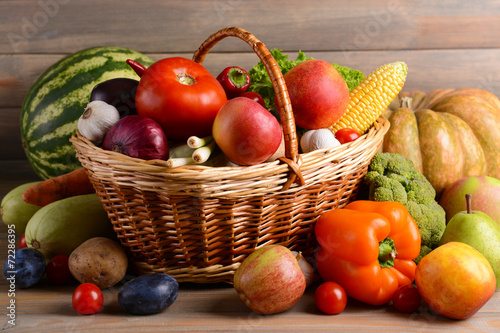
<point x="197" y="223"/>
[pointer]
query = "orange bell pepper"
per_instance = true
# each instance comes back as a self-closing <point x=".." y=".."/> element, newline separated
<point x="368" y="248"/>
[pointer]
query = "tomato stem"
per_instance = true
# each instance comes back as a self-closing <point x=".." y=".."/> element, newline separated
<point x="186" y="79"/>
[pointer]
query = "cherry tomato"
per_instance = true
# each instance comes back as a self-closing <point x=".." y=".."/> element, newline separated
<point x="181" y="95"/>
<point x="255" y="96"/>
<point x="58" y="271"/>
<point x="87" y="299"/>
<point x="330" y="298"/>
<point x="22" y="241"/>
<point x="407" y="299"/>
<point x="346" y="135"/>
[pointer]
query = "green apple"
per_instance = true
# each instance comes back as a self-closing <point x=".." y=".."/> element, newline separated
<point x="485" y="191"/>
<point x="478" y="230"/>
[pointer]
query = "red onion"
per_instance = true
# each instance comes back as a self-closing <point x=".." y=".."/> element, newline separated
<point x="137" y="136"/>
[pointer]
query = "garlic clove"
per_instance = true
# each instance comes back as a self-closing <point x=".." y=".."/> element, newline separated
<point x="305" y="141"/>
<point x="323" y="139"/>
<point x="97" y="118"/>
<point x="306" y="268"/>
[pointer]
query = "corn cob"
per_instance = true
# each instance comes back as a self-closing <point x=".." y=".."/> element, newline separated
<point x="372" y="96"/>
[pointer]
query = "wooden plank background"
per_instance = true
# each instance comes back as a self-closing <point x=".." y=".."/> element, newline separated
<point x="446" y="44"/>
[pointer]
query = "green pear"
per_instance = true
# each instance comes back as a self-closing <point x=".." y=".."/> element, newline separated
<point x="478" y="230"/>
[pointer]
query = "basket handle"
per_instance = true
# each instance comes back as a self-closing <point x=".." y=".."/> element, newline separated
<point x="284" y="106"/>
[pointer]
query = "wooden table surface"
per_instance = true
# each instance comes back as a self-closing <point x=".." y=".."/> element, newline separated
<point x="446" y="44"/>
<point x="209" y="307"/>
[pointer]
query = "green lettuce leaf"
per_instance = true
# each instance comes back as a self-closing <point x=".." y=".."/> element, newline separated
<point x="352" y="77"/>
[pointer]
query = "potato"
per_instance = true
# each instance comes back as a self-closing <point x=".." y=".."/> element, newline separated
<point x="100" y="261"/>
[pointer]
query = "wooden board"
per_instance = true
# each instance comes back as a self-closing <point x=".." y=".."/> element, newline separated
<point x="217" y="308"/>
<point x="49" y="26"/>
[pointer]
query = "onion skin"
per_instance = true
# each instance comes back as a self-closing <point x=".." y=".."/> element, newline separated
<point x="137" y="136"/>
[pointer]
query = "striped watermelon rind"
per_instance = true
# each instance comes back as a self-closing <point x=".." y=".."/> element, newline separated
<point x="55" y="101"/>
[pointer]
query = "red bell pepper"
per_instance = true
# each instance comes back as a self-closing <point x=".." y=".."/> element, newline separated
<point x="368" y="248"/>
<point x="234" y="80"/>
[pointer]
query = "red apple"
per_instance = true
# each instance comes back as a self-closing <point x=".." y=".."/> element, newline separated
<point x="270" y="280"/>
<point x="246" y="132"/>
<point x="485" y="193"/>
<point x="455" y="280"/>
<point x="319" y="94"/>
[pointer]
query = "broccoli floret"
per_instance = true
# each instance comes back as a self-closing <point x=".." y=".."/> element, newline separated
<point x="352" y="77"/>
<point x="385" y="188"/>
<point x="421" y="191"/>
<point x="392" y="177"/>
<point x="431" y="221"/>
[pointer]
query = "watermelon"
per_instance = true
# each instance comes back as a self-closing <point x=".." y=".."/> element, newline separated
<point x="56" y="100"/>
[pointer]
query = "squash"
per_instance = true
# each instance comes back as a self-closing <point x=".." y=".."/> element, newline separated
<point x="447" y="133"/>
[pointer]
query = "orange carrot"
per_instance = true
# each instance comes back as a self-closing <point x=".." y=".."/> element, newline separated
<point x="64" y="186"/>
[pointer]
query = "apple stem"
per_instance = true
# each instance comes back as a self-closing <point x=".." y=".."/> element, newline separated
<point x="468" y="201"/>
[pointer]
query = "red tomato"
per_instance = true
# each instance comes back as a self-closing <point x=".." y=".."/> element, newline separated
<point x="254" y="96"/>
<point x="87" y="299"/>
<point x="330" y="298"/>
<point x="406" y="299"/>
<point x="58" y="271"/>
<point x="346" y="135"/>
<point x="181" y="95"/>
<point x="22" y="241"/>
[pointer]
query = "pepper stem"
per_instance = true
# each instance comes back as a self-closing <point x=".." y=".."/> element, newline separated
<point x="387" y="253"/>
<point x="237" y="77"/>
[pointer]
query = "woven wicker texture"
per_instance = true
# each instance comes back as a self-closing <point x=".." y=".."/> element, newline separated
<point x="197" y="223"/>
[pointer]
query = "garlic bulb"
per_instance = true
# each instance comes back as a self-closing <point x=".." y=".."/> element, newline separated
<point x="322" y="138"/>
<point x="96" y="120"/>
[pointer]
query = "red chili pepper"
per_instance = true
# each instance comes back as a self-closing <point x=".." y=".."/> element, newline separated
<point x="234" y="80"/>
<point x="138" y="68"/>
